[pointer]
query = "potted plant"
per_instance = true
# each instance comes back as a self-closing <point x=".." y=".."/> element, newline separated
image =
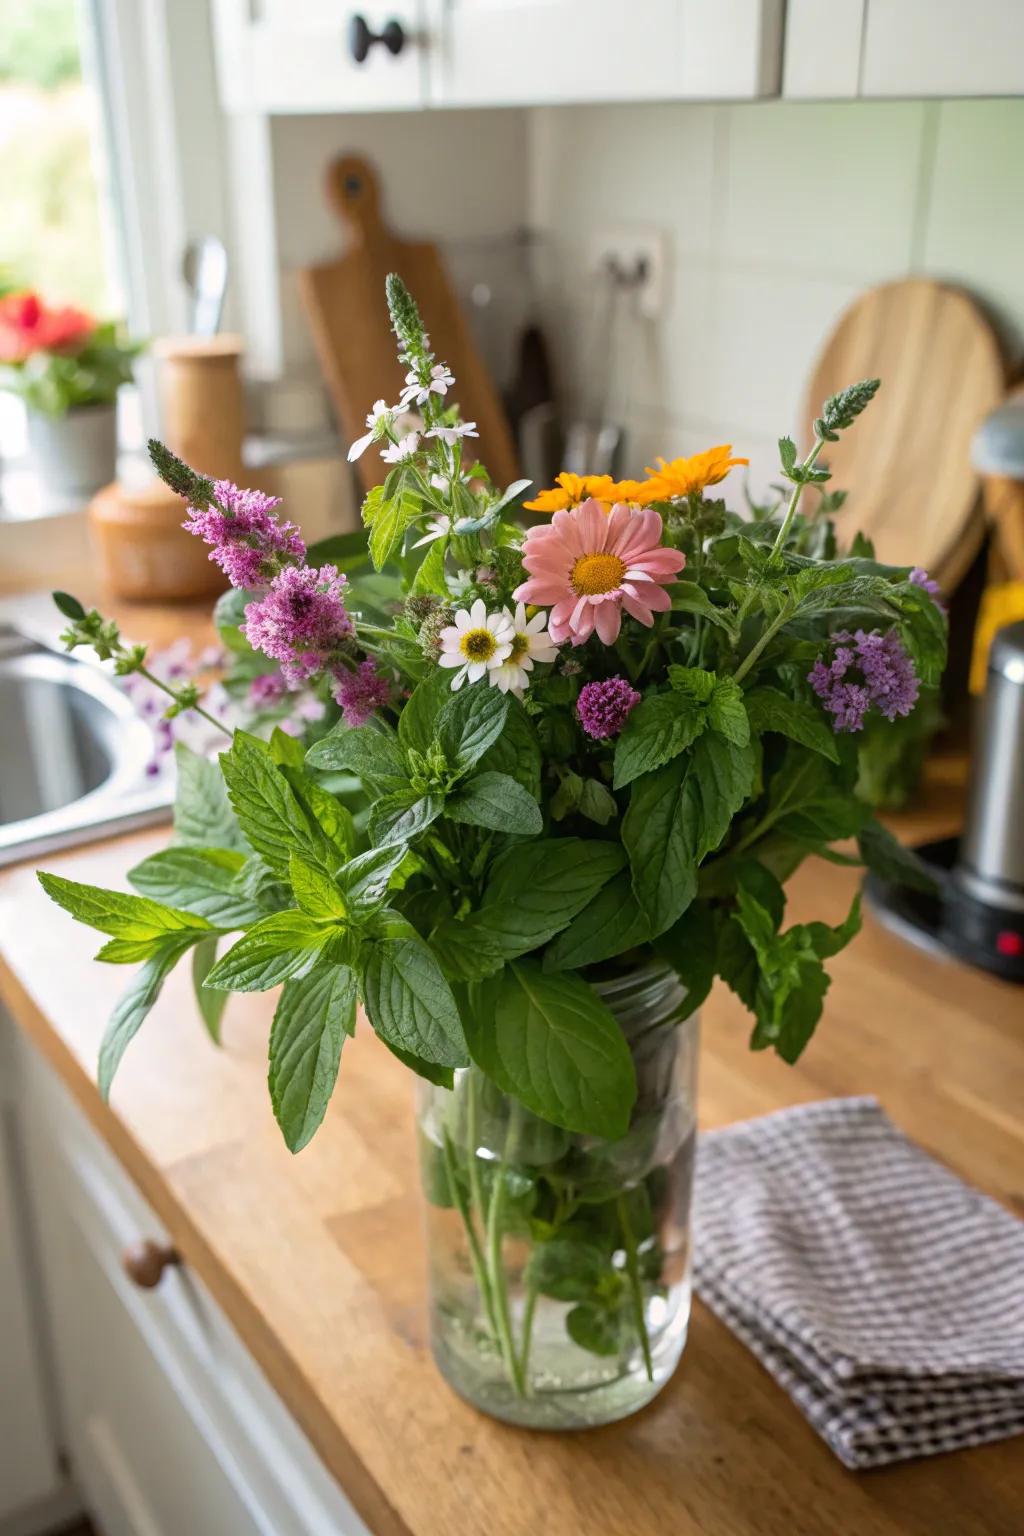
<point x="67" y="368"/>
<point x="575" y="767"/>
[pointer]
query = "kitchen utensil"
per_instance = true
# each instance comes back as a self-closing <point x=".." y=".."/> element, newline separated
<point x="205" y="270"/>
<point x="907" y="465"/>
<point x="353" y="338"/>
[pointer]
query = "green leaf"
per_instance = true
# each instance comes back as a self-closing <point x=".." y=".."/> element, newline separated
<point x="566" y="1268"/>
<point x="537" y="888"/>
<point x="203" y="817"/>
<point x="365" y="879"/>
<point x="695" y="682"/>
<point x="313" y="1016"/>
<point x="418" y="720"/>
<point x="409" y="1002"/>
<point x="116" y="913"/>
<point x="282" y="945"/>
<point x="552" y="1043"/>
<point x="688" y="597"/>
<point x="594" y="1328"/>
<point x="267" y="809"/>
<point x="211" y="1003"/>
<point x="204" y="881"/>
<point x="69" y="606"/>
<point x="657" y="730"/>
<point x="286" y="751"/>
<point x="768" y="709"/>
<point x="517" y="750"/>
<point x="610" y="924"/>
<point x="441" y="1077"/>
<point x="465" y="950"/>
<point x="597" y="803"/>
<point x="470" y="722"/>
<point x="677" y="816"/>
<point x="348" y="551"/>
<point x="323" y="808"/>
<point x="887" y="857"/>
<point x="133" y="1006"/>
<point x="364" y="750"/>
<point x="691" y="948"/>
<point x="391" y="519"/>
<point x="495" y="801"/>
<point x="399" y="817"/>
<point x="315" y="892"/>
<point x="727" y="712"/>
<point x="429" y="576"/>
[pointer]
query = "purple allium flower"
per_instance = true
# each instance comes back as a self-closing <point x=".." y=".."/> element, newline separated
<point x="868" y="670"/>
<point x="267" y="690"/>
<point x="361" y="693"/>
<point x="248" y="543"/>
<point x="603" y="707"/>
<point x="301" y="621"/>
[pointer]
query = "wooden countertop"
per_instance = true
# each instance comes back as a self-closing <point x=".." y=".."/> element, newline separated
<point x="318" y="1260"/>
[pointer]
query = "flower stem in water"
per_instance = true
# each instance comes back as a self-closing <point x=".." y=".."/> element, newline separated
<point x="635" y="1286"/>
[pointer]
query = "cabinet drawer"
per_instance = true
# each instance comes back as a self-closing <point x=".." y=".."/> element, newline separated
<point x="172" y="1427"/>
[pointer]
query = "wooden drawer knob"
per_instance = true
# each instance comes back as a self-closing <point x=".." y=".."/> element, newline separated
<point x="145" y="1262"/>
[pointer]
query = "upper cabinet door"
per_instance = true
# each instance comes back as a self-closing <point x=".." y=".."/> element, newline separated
<point x="548" y="52"/>
<point x="320" y="55"/>
<point x="943" y="48"/>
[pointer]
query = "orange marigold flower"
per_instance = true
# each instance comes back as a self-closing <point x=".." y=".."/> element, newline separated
<point x="687" y="477"/>
<point x="572" y="490"/>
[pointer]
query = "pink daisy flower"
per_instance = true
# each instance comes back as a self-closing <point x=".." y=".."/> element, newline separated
<point x="587" y="567"/>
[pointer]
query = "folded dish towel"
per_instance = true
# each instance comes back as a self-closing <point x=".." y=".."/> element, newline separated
<point x="883" y="1294"/>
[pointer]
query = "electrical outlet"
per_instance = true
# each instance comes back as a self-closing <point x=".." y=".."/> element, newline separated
<point x="636" y="256"/>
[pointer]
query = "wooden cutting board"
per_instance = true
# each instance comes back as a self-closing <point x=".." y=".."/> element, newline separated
<point x="344" y="301"/>
<point x="906" y="462"/>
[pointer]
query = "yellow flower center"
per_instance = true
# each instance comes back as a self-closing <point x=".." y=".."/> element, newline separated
<point x="520" y="647"/>
<point x="478" y="645"/>
<point x="597" y="573"/>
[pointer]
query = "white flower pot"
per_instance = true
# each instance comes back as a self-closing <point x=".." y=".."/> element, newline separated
<point x="74" y="454"/>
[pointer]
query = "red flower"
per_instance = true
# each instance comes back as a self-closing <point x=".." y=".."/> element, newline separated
<point x="27" y="325"/>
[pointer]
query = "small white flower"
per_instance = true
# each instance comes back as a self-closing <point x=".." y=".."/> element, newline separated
<point x="530" y="642"/>
<point x="476" y="643"/>
<point x="416" y="393"/>
<point x="406" y="446"/>
<point x="381" y="413"/>
<point x="452" y="434"/>
<point x="437" y="528"/>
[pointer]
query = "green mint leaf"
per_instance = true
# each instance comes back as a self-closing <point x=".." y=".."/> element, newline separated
<point x="315" y="892"/>
<point x="267" y="809"/>
<point x="597" y="803"/>
<point x="69" y="606"/>
<point x="441" y="1077"/>
<point x="610" y="924"/>
<point x="418" y="720"/>
<point x="133" y="1006"/>
<point x="399" y="817"/>
<point x="516" y="751"/>
<point x="594" y="1328"/>
<point x="366" y="878"/>
<point x="203" y="817"/>
<point x="312" y="1018"/>
<point x="282" y="945"/>
<point x="537" y="888"/>
<point x="657" y="730"/>
<point x="286" y="751"/>
<point x="204" y="881"/>
<point x="566" y="797"/>
<point x="365" y="751"/>
<point x="429" y="578"/>
<point x="115" y="912"/>
<point x="693" y="682"/>
<point x="688" y="597"/>
<point x="553" y="1044"/>
<point x="392" y="517"/>
<point x="887" y="857"/>
<point x="727" y="712"/>
<point x="211" y="1003"/>
<point x="465" y="950"/>
<point x="691" y="948"/>
<point x="768" y="709"/>
<point x="567" y="1268"/>
<point x="409" y="1002"/>
<point x="495" y="801"/>
<point x="324" y="809"/>
<point x="469" y="723"/>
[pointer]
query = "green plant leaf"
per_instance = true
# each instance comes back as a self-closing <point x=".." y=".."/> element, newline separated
<point x="323" y="808"/>
<point x="516" y="751"/>
<point x="465" y="950"/>
<point x="495" y="801"/>
<point x="568" y="1268"/>
<point x="267" y="809"/>
<point x="429" y="577"/>
<point x="69" y="606"/>
<point x="286" y="751"/>
<point x="204" y="881"/>
<point x="390" y="520"/>
<point x="366" y="878"/>
<point x="657" y="730"/>
<point x="691" y="948"/>
<point x="133" y="1006"/>
<point x="469" y="723"/>
<point x="887" y="857"/>
<point x="418" y="721"/>
<point x="364" y="750"/>
<point x="117" y="913"/>
<point x="409" y="1002"/>
<point x="315" y="892"/>
<point x="536" y="889"/>
<point x="398" y="818"/>
<point x="441" y="1077"/>
<point x="611" y="923"/>
<point x="211" y="1003"/>
<point x="594" y="1328"/>
<point x="203" y="817"/>
<point x="769" y="709"/>
<point x="727" y="712"/>
<point x="313" y="1016"/>
<point x="282" y="945"/>
<point x="552" y="1043"/>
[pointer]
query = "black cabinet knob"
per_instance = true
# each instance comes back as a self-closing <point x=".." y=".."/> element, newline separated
<point x="361" y="39"/>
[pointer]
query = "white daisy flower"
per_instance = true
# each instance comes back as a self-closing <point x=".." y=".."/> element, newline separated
<point x="530" y="642"/>
<point x="451" y="435"/>
<point x="437" y="528"/>
<point x="476" y="643"/>
<point x="406" y="446"/>
<point x="377" y="416"/>
<point x="416" y="393"/>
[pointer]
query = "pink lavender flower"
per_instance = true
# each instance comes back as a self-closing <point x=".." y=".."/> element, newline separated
<point x="361" y="693"/>
<point x="603" y="707"/>
<point x="301" y="622"/>
<point x="868" y="670"/>
<point x="248" y="543"/>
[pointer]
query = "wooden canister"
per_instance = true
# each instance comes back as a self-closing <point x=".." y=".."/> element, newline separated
<point x="203" y="403"/>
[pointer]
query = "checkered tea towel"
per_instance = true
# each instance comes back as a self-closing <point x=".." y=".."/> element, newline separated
<point x="883" y="1294"/>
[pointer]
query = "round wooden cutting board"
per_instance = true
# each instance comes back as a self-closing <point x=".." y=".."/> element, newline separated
<point x="906" y="462"/>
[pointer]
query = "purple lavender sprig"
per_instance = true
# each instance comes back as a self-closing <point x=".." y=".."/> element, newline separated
<point x="301" y="621"/>
<point x="248" y="543"/>
<point x="867" y="670"/>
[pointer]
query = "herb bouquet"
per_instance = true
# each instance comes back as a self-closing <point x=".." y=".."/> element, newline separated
<point x="575" y="766"/>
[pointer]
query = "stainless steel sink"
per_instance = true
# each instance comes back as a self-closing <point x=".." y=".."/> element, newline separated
<point x="74" y="756"/>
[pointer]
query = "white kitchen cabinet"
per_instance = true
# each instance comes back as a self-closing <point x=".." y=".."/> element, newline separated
<point x="296" y="56"/>
<point x="548" y="52"/>
<point x="169" y="1425"/>
<point x="903" y="48"/>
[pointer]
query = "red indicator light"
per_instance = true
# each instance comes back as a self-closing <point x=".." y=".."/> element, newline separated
<point x="1010" y="944"/>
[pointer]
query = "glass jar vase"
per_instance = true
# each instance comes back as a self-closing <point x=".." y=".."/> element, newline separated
<point x="560" y="1263"/>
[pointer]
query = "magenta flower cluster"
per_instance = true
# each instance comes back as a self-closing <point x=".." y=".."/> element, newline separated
<point x="868" y="670"/>
<point x="301" y="622"/>
<point x="361" y="693"/>
<point x="603" y="707"/>
<point x="248" y="542"/>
